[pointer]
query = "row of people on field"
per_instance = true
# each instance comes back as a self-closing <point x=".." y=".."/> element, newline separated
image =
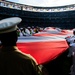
<point x="28" y="31"/>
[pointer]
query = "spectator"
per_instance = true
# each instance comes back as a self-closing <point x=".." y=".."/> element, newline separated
<point x="71" y="41"/>
<point x="12" y="60"/>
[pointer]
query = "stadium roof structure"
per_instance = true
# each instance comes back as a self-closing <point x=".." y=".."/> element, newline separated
<point x="44" y="3"/>
<point x="25" y="7"/>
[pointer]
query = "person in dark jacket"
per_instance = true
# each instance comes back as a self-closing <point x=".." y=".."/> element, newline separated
<point x="12" y="60"/>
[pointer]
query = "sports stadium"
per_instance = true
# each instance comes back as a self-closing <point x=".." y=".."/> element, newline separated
<point x="48" y="46"/>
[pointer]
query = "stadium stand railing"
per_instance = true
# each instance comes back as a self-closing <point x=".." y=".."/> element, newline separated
<point x="23" y="7"/>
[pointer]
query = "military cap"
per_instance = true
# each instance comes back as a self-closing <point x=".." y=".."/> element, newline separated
<point x="9" y="24"/>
